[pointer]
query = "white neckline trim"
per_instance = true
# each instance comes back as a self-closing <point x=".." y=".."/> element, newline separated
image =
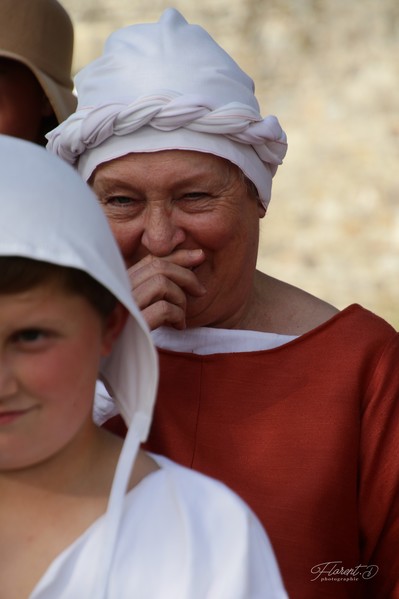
<point x="207" y="340"/>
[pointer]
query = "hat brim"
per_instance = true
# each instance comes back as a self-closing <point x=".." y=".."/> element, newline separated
<point x="61" y="98"/>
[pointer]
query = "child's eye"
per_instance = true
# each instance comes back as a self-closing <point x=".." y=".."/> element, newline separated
<point x="29" y="336"/>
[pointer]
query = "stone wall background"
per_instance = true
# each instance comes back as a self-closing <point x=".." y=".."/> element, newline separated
<point x="329" y="70"/>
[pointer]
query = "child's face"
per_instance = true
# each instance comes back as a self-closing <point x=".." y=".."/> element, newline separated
<point x="51" y="343"/>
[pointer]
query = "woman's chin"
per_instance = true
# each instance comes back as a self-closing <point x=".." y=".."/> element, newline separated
<point x="197" y="313"/>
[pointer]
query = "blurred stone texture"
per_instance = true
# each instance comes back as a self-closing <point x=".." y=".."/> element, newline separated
<point x="329" y="70"/>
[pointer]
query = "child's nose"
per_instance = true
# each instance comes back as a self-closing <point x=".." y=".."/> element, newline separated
<point x="8" y="383"/>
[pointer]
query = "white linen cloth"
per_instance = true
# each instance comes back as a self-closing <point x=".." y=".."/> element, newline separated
<point x="169" y="85"/>
<point x="207" y="340"/>
<point x="182" y="536"/>
<point x="48" y="213"/>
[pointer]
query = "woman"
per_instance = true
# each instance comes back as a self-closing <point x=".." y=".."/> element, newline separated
<point x="36" y="48"/>
<point x="82" y="513"/>
<point x="275" y="392"/>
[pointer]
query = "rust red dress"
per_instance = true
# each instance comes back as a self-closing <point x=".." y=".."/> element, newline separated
<point x="308" y="434"/>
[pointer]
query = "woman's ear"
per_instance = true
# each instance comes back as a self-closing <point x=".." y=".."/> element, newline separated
<point x="113" y="326"/>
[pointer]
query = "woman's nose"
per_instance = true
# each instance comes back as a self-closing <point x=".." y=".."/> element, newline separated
<point x="161" y="235"/>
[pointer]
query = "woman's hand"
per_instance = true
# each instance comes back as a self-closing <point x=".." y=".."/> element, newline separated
<point x="160" y="286"/>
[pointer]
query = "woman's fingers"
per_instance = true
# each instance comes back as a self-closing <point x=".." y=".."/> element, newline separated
<point x="163" y="313"/>
<point x="185" y="258"/>
<point x="160" y="286"/>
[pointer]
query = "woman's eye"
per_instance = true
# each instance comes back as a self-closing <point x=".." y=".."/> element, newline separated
<point x="195" y="195"/>
<point x="119" y="201"/>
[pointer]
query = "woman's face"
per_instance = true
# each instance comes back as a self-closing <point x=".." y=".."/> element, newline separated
<point x="157" y="203"/>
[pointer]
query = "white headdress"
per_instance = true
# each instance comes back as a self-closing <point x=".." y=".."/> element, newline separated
<point x="48" y="213"/>
<point x="169" y="85"/>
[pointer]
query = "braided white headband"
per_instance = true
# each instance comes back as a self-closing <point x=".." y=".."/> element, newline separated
<point x="208" y="106"/>
<point x="167" y="112"/>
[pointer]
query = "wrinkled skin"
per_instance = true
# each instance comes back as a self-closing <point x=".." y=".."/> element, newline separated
<point x="188" y="229"/>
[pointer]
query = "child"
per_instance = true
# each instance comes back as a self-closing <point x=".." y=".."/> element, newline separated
<point x="84" y="514"/>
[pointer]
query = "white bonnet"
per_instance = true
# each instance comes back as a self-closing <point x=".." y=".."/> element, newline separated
<point x="48" y="213"/>
<point x="169" y="85"/>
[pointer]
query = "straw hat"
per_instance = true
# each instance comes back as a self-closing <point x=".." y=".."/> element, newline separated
<point x="39" y="34"/>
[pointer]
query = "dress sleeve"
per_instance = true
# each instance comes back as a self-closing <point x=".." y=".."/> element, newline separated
<point x="379" y="475"/>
